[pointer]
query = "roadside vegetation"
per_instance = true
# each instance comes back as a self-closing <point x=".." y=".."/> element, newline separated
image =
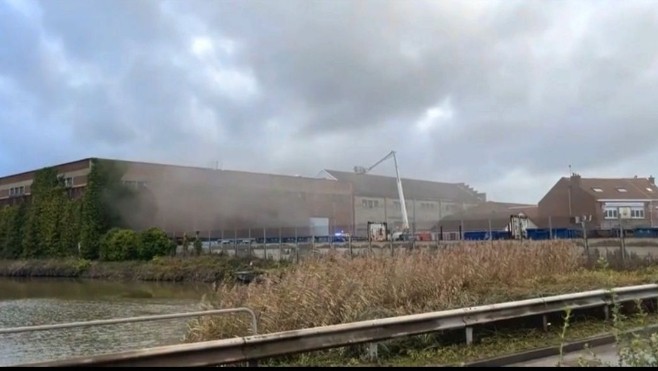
<point x="206" y="268"/>
<point x="338" y="289"/>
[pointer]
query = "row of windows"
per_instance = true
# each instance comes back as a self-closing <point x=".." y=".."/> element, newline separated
<point x="20" y="190"/>
<point x="16" y="191"/>
<point x="636" y="213"/>
<point x="373" y="204"/>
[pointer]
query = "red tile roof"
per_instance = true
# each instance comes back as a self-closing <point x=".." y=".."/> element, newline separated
<point x="618" y="189"/>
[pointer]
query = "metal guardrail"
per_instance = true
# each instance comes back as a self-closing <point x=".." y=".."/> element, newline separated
<point x="255" y="347"/>
<point x="158" y="317"/>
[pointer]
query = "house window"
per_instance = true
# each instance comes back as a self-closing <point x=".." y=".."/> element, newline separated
<point x="68" y="182"/>
<point x="596" y="189"/>
<point x="610" y="214"/>
<point x="637" y="213"/>
<point x="622" y="190"/>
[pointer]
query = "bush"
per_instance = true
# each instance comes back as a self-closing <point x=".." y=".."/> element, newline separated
<point x="154" y="242"/>
<point x="120" y="244"/>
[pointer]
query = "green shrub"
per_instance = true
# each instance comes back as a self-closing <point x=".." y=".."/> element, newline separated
<point x="120" y="244"/>
<point x="154" y="242"/>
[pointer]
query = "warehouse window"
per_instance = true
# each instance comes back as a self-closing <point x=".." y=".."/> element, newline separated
<point x="16" y="191"/>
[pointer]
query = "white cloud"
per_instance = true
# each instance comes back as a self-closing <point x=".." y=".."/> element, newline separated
<point x="435" y="116"/>
<point x="202" y="46"/>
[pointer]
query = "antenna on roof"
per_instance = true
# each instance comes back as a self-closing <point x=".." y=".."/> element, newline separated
<point x="570" y="172"/>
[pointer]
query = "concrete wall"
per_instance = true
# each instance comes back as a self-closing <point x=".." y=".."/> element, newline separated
<point x="230" y="202"/>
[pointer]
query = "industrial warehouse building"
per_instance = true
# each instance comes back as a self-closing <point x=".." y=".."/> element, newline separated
<point x="227" y="204"/>
<point x="376" y="200"/>
<point x="217" y="203"/>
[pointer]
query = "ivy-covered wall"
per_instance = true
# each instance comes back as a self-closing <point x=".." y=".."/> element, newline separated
<point x="50" y="224"/>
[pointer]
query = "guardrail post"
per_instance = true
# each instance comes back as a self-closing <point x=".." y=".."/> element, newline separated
<point x="469" y="335"/>
<point x="606" y="312"/>
<point x="544" y="319"/>
<point x="372" y="351"/>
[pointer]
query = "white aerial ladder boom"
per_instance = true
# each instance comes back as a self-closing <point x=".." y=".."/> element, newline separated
<point x="403" y="206"/>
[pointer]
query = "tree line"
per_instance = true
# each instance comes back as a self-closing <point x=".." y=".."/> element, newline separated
<point x="50" y="223"/>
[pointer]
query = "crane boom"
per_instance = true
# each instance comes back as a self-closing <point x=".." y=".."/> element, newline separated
<point x="403" y="206"/>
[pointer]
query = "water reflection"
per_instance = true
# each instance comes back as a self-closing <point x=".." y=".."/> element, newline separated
<point x="46" y="301"/>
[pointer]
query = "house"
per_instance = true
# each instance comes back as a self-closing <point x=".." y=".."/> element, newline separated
<point x="494" y="216"/>
<point x="376" y="200"/>
<point x="602" y="200"/>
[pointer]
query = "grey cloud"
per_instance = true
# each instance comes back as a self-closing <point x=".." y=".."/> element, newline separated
<point x="532" y="85"/>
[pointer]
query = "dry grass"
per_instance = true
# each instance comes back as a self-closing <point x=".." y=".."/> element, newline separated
<point x="337" y="289"/>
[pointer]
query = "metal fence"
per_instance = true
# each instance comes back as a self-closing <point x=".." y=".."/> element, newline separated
<point x="116" y="321"/>
<point x="251" y="348"/>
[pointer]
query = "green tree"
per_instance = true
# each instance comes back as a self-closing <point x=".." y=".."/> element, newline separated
<point x="14" y="223"/>
<point x="119" y="245"/>
<point x="39" y="215"/>
<point x="4" y="227"/>
<point x="198" y="246"/>
<point x="70" y="225"/>
<point x="99" y="213"/>
<point x="52" y="220"/>
<point x="186" y="244"/>
<point x="154" y="242"/>
<point x="7" y="216"/>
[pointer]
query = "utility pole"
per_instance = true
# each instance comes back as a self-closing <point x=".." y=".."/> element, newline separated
<point x="622" y="244"/>
<point x="583" y="222"/>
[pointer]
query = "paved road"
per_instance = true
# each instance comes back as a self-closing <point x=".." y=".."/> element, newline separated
<point x="603" y="355"/>
<point x="641" y="251"/>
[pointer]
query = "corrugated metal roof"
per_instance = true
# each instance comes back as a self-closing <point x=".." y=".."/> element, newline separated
<point x="369" y="185"/>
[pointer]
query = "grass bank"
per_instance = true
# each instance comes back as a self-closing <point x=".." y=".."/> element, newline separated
<point x="339" y="289"/>
<point x="205" y="268"/>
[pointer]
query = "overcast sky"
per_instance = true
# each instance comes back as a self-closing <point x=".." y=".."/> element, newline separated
<point x="500" y="95"/>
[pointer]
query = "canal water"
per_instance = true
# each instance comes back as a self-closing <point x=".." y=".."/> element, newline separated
<point x="28" y="302"/>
